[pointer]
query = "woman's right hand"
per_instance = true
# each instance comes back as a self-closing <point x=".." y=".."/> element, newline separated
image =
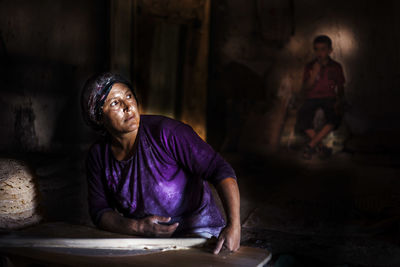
<point x="150" y="226"/>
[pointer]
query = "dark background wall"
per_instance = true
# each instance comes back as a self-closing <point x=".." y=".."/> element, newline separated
<point x="48" y="49"/>
<point x="259" y="49"/>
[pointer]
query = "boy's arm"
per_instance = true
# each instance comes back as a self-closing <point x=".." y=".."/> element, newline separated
<point x="310" y="76"/>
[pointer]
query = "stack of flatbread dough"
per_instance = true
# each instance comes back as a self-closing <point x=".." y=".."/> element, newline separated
<point x="19" y="198"/>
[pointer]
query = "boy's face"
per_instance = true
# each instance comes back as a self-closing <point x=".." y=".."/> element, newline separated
<point x="322" y="51"/>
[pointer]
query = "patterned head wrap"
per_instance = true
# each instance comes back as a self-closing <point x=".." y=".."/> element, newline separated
<point x="94" y="94"/>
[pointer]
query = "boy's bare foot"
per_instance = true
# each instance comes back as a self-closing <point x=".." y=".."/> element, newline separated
<point x="308" y="152"/>
<point x="324" y="152"/>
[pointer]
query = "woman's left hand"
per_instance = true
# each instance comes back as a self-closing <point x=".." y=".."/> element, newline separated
<point x="229" y="238"/>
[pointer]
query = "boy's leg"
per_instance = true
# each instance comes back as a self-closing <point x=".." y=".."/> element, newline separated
<point x="304" y="123"/>
<point x="305" y="116"/>
<point x="333" y="120"/>
<point x="310" y="133"/>
<point x="318" y="137"/>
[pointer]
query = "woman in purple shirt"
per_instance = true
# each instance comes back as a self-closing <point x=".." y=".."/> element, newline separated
<point x="149" y="174"/>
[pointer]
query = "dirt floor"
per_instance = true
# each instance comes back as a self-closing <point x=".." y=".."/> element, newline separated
<point x="343" y="211"/>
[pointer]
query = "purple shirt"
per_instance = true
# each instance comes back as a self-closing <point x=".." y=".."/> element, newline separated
<point x="167" y="176"/>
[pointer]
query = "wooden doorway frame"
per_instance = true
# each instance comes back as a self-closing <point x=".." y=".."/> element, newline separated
<point x="193" y="13"/>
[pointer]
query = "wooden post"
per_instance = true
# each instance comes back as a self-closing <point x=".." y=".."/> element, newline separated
<point x="196" y="75"/>
<point x="121" y="36"/>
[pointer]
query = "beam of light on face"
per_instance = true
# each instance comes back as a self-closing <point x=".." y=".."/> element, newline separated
<point x="343" y="38"/>
<point x="344" y="43"/>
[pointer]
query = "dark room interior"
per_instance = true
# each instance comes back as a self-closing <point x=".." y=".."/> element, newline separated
<point x="234" y="71"/>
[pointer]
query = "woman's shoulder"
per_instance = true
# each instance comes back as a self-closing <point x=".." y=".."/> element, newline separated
<point x="160" y="130"/>
<point x="159" y="123"/>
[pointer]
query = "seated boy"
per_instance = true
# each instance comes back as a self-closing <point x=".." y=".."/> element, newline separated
<point x="323" y="86"/>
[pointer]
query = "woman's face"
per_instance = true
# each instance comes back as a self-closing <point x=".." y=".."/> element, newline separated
<point x="120" y="110"/>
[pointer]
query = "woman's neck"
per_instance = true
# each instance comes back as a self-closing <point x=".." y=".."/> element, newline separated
<point x="123" y="145"/>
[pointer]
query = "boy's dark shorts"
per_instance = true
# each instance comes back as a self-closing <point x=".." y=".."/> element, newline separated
<point x="305" y="115"/>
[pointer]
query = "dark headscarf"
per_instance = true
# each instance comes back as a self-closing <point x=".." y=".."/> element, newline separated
<point x="94" y="94"/>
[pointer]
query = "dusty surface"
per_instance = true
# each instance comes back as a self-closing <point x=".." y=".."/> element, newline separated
<point x="343" y="210"/>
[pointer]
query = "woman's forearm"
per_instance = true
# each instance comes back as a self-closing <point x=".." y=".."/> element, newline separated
<point x="147" y="226"/>
<point x="229" y="237"/>
<point x="113" y="222"/>
<point x="228" y="191"/>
